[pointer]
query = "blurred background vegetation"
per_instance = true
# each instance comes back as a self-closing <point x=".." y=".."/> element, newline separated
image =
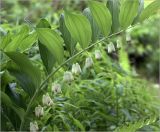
<point x="143" y="40"/>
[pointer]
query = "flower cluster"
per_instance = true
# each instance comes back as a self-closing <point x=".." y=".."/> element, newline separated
<point x="88" y="62"/>
<point x="111" y="47"/>
<point x="76" y="69"/>
<point x="39" y="111"/>
<point x="98" y="55"/>
<point x="68" y="77"/>
<point x="46" y="100"/>
<point x="33" y="126"/>
<point x="56" y="88"/>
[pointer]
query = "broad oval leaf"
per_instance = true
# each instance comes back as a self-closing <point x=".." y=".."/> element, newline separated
<point x="53" y="41"/>
<point x="46" y="56"/>
<point x="113" y="6"/>
<point x="28" y="75"/>
<point x="28" y="42"/>
<point x="17" y="40"/>
<point x="128" y="11"/>
<point x="5" y="41"/>
<point x="95" y="29"/>
<point x="68" y="40"/>
<point x="101" y="16"/>
<point x="140" y="9"/>
<point x="79" y="28"/>
<point x="150" y="10"/>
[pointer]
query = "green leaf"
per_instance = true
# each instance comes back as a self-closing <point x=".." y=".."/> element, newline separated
<point x="141" y="7"/>
<point x="77" y="123"/>
<point x="101" y="16"/>
<point x="46" y="55"/>
<point x="17" y="40"/>
<point x="28" y="41"/>
<point x="43" y="23"/>
<point x="95" y="29"/>
<point x="28" y="75"/>
<point x="150" y="10"/>
<point x="5" y="41"/>
<point x="79" y="28"/>
<point x="7" y="101"/>
<point x="53" y="41"/>
<point x="68" y="40"/>
<point x="113" y="6"/>
<point x="128" y="11"/>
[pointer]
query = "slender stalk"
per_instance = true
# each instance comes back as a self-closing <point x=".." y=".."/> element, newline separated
<point x="57" y="69"/>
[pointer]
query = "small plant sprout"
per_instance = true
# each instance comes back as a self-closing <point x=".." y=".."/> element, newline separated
<point x="39" y="111"/>
<point x="119" y="44"/>
<point x="46" y="100"/>
<point x="89" y="62"/>
<point x="98" y="55"/>
<point x="68" y="77"/>
<point x="76" y="69"/>
<point x="111" y="47"/>
<point x="33" y="126"/>
<point x="56" y="88"/>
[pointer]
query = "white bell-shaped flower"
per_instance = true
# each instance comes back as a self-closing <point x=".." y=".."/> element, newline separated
<point x="98" y="55"/>
<point x="39" y="111"/>
<point x="46" y="100"/>
<point x="119" y="44"/>
<point x="68" y="77"/>
<point x="111" y="47"/>
<point x="76" y="69"/>
<point x="56" y="88"/>
<point x="34" y="126"/>
<point x="128" y="37"/>
<point x="89" y="62"/>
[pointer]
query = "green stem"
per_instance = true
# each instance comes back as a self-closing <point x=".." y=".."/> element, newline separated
<point x="57" y="69"/>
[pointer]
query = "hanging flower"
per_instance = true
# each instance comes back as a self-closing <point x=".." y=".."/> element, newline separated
<point x="98" y="55"/>
<point x="56" y="88"/>
<point x="119" y="45"/>
<point x="111" y="47"/>
<point x="68" y="77"/>
<point x="39" y="111"/>
<point x="33" y="126"/>
<point x="46" y="100"/>
<point x="128" y="37"/>
<point x="89" y="62"/>
<point x="76" y="69"/>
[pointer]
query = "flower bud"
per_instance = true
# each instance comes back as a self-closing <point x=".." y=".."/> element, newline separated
<point x="56" y="88"/>
<point x="128" y="37"/>
<point x="39" y="111"/>
<point x="119" y="45"/>
<point x="89" y="62"/>
<point x="98" y="55"/>
<point x="111" y="47"/>
<point x="46" y="100"/>
<point x="76" y="69"/>
<point x="33" y="126"/>
<point x="68" y="77"/>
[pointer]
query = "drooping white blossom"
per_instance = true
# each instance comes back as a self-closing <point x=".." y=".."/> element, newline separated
<point x="119" y="45"/>
<point x="89" y="62"/>
<point x="111" y="47"/>
<point x="46" y="100"/>
<point x="34" y="126"/>
<point x="68" y="77"/>
<point x="56" y="88"/>
<point x="98" y="54"/>
<point x="76" y="69"/>
<point x="39" y="111"/>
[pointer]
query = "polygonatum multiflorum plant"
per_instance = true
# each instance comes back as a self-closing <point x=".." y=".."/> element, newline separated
<point x="57" y="47"/>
